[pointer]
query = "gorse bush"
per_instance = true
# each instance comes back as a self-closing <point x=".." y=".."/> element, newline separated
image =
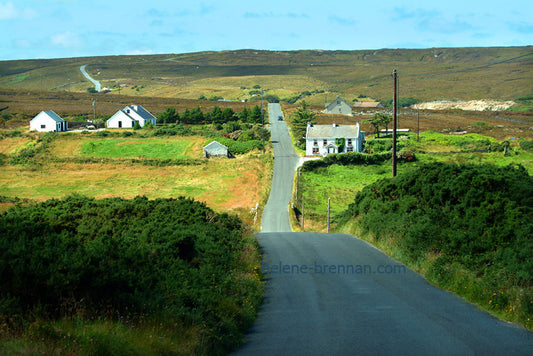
<point x="173" y="259"/>
<point x="473" y="218"/>
<point x="240" y="147"/>
<point x="346" y="159"/>
<point x="26" y="155"/>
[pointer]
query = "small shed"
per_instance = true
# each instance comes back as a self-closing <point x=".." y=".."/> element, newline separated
<point x="47" y="121"/>
<point x="216" y="149"/>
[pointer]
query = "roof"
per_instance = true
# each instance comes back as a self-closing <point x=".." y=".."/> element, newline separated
<point x="215" y="145"/>
<point x="332" y="131"/>
<point x="367" y="104"/>
<point x="139" y="110"/>
<point x="121" y="114"/>
<point x="50" y="114"/>
<point x="334" y="102"/>
<point x="134" y="112"/>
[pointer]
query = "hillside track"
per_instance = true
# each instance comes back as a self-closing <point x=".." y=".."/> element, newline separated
<point x="334" y="294"/>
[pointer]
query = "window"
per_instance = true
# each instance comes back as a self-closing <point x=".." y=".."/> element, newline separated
<point x="315" y="150"/>
<point x="43" y="126"/>
<point x="325" y="142"/>
<point x="349" y="149"/>
<point x="349" y="141"/>
<point x="315" y="143"/>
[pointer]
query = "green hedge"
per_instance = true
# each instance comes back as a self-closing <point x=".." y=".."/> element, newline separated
<point x="240" y="147"/>
<point x="476" y="217"/>
<point x="345" y="159"/>
<point x="173" y="259"/>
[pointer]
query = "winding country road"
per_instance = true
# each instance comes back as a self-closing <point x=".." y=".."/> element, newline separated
<point x="334" y="294"/>
<point x="97" y="85"/>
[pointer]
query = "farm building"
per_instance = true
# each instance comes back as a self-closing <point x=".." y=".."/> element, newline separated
<point x="216" y="149"/>
<point x="324" y="139"/>
<point x="128" y="116"/>
<point x="367" y="104"/>
<point x="47" y="121"/>
<point x="339" y="106"/>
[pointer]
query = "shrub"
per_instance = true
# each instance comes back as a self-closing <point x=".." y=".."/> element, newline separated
<point x="171" y="260"/>
<point x="526" y="145"/>
<point x="477" y="218"/>
<point x="345" y="159"/>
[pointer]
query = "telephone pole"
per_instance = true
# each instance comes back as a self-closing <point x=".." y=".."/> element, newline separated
<point x="262" y="122"/>
<point x="394" y="119"/>
<point x="94" y="109"/>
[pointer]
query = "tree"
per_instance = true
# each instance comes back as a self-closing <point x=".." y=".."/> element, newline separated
<point x="271" y="98"/>
<point x="379" y="120"/>
<point x="228" y="115"/>
<point x="216" y="115"/>
<point x="169" y="116"/>
<point x="299" y="122"/>
<point x="256" y="115"/>
<point x="244" y="115"/>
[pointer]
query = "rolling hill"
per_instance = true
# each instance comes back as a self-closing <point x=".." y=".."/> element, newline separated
<point x="501" y="73"/>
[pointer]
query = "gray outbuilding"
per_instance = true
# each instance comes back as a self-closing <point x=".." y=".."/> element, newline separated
<point x="216" y="149"/>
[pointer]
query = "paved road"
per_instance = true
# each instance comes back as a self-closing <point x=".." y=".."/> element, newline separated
<point x="315" y="305"/>
<point x="276" y="212"/>
<point x="96" y="83"/>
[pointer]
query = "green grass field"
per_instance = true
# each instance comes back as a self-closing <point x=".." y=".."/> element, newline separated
<point x="149" y="148"/>
<point x="224" y="184"/>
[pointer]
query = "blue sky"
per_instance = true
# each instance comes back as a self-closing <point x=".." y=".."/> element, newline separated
<point x="74" y="28"/>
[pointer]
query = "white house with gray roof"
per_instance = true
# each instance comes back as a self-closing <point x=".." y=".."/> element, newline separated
<point x="47" y="121"/>
<point x="128" y="116"/>
<point x="322" y="140"/>
<point x="339" y="106"/>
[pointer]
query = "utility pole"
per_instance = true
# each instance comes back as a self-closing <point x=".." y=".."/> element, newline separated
<point x="417" y="125"/>
<point x="303" y="212"/>
<point x="394" y="119"/>
<point x="262" y="122"/>
<point x="94" y="109"/>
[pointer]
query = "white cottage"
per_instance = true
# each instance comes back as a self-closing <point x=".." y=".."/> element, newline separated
<point x="216" y="149"/>
<point x="47" y="121"/>
<point x="324" y="139"/>
<point x="339" y="106"/>
<point x="128" y="116"/>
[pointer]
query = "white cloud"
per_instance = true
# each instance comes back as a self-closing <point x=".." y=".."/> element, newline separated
<point x="139" y="52"/>
<point x="66" y="39"/>
<point x="9" y="12"/>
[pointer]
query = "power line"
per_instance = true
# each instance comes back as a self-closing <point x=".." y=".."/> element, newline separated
<point x="467" y="69"/>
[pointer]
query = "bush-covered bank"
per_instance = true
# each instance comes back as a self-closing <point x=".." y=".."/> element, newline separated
<point x="171" y="266"/>
<point x="346" y="159"/>
<point x="466" y="227"/>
